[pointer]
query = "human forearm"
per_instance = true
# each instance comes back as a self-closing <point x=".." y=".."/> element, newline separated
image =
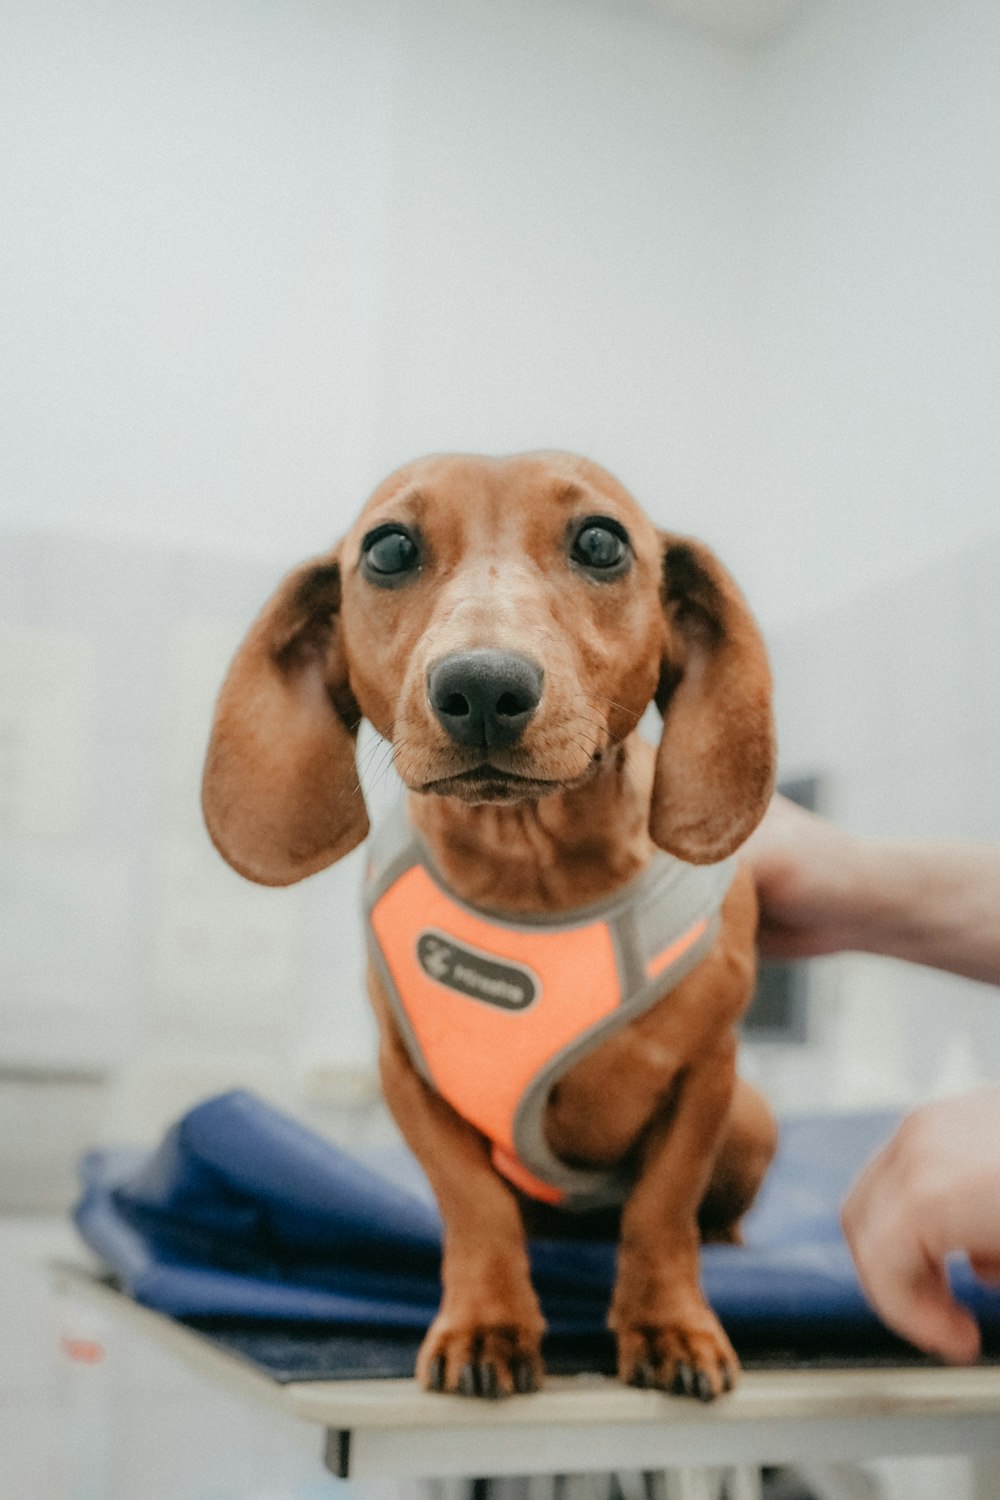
<point x="822" y="889"/>
<point x="930" y="902"/>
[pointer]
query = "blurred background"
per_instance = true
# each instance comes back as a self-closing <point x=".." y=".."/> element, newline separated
<point x="254" y="255"/>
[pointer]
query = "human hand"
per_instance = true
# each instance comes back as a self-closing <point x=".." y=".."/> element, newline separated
<point x="821" y="889"/>
<point x="806" y="871"/>
<point x="934" y="1189"/>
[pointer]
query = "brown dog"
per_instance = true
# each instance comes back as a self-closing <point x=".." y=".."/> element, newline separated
<point x="504" y="623"/>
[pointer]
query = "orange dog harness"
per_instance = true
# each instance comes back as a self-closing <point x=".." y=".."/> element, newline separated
<point x="494" y="1009"/>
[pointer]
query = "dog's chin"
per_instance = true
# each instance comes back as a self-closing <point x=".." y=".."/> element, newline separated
<point x="490" y="784"/>
<point x="486" y="784"/>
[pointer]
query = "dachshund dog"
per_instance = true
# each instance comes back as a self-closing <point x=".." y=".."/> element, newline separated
<point x="561" y="941"/>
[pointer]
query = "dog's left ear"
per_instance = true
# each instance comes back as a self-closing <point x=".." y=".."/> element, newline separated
<point x="715" y="765"/>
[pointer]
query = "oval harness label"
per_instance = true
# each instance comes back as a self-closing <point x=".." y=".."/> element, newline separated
<point x="478" y="975"/>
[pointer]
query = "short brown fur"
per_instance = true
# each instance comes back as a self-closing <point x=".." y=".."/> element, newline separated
<point x="594" y="801"/>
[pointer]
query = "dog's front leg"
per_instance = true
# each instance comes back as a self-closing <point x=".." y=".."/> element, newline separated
<point x="668" y="1337"/>
<point x="486" y="1337"/>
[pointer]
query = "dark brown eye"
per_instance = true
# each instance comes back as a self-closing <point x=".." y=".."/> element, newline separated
<point x="601" y="545"/>
<point x="388" y="553"/>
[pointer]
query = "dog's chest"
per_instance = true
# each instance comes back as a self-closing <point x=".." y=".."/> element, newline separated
<point x="525" y="1027"/>
<point x="601" y="1105"/>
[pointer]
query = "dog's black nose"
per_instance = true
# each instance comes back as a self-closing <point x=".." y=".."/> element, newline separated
<point x="485" y="698"/>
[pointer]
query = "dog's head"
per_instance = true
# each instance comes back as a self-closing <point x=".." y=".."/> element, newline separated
<point x="504" y="623"/>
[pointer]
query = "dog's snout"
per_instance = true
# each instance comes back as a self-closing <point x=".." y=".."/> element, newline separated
<point x="485" y="698"/>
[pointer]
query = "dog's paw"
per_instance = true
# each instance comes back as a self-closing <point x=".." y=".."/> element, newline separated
<point x="687" y="1359"/>
<point x="481" y="1359"/>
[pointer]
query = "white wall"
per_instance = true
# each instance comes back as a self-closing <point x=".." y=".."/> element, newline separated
<point x="260" y="254"/>
<point x="194" y="201"/>
<point x="561" y="239"/>
<point x="255" y="255"/>
<point x="872" y="295"/>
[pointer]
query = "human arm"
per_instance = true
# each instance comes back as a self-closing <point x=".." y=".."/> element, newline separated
<point x="822" y="889"/>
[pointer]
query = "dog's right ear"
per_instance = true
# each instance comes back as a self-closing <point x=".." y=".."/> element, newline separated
<point x="280" y="793"/>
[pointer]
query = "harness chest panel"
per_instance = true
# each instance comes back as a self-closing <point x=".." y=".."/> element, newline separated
<point x="494" y="1010"/>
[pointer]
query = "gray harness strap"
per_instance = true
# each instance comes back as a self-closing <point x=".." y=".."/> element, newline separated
<point x="656" y="911"/>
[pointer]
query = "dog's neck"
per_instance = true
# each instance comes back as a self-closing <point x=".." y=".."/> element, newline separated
<point x="563" y="851"/>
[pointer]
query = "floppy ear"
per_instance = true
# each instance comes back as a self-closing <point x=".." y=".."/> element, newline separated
<point x="715" y="765"/>
<point x="280" y="791"/>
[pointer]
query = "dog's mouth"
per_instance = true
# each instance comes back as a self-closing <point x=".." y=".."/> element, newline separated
<point x="489" y="783"/>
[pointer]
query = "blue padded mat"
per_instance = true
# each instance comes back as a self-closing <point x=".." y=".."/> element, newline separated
<point x="314" y="1262"/>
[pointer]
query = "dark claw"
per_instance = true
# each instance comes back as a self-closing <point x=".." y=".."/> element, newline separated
<point x="524" y="1377"/>
<point x="703" y="1388"/>
<point x="489" y="1383"/>
<point x="467" y="1381"/>
<point x="684" y="1381"/>
<point x="435" y="1381"/>
<point x="728" y="1377"/>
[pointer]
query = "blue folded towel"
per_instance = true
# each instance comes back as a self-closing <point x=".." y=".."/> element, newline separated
<point x="244" y="1213"/>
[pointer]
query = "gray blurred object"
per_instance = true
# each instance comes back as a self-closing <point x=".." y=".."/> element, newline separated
<point x="47" y="1117"/>
<point x="779" y="1010"/>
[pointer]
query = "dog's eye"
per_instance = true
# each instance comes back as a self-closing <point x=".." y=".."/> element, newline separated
<point x="389" y="551"/>
<point x="601" y="545"/>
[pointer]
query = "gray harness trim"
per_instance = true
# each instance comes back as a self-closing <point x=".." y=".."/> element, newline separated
<point x="645" y="918"/>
